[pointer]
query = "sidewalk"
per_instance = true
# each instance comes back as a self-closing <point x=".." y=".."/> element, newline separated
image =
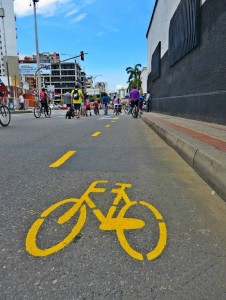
<point x="17" y="111"/>
<point x="202" y="145"/>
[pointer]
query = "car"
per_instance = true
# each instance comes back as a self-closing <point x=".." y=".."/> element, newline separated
<point x="64" y="106"/>
<point x="53" y="106"/>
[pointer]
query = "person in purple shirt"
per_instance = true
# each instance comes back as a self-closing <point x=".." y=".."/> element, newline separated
<point x="134" y="98"/>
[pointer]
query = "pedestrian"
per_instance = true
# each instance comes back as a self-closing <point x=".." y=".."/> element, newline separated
<point x="21" y="101"/>
<point x="105" y="103"/>
<point x="77" y="98"/>
<point x="141" y="101"/>
<point x="68" y="102"/>
<point x="148" y="101"/>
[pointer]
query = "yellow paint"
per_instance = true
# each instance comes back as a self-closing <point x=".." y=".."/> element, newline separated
<point x="119" y="224"/>
<point x="96" y="133"/>
<point x="62" y="160"/>
<point x="113" y="121"/>
<point x="107" y="126"/>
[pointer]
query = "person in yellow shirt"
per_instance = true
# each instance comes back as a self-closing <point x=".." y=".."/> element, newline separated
<point x="77" y="98"/>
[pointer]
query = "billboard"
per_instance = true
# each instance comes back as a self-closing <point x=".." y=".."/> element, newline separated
<point x="31" y="69"/>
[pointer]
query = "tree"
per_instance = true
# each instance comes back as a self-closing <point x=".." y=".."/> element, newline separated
<point x="134" y="76"/>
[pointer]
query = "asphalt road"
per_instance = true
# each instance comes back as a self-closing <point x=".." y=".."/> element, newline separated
<point x="164" y="237"/>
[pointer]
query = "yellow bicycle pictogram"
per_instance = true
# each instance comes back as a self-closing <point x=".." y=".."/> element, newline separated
<point x="119" y="224"/>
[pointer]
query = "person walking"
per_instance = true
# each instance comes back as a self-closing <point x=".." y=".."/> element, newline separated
<point x="77" y="98"/>
<point x="148" y="101"/>
<point x="141" y="101"/>
<point x="68" y="102"/>
<point x="21" y="101"/>
<point x="105" y="103"/>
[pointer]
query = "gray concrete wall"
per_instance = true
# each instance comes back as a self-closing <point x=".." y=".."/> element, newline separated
<point x="195" y="87"/>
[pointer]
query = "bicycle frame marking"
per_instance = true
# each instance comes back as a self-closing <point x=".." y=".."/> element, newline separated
<point x="62" y="159"/>
<point x="120" y="223"/>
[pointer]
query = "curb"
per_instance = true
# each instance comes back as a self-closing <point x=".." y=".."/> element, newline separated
<point x="20" y="111"/>
<point x="210" y="169"/>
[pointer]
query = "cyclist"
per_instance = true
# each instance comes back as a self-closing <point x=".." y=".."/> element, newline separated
<point x="96" y="107"/>
<point x="44" y="101"/>
<point x="134" y="97"/>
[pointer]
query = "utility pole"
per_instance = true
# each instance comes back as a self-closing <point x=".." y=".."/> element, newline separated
<point x="2" y="15"/>
<point x="37" y="48"/>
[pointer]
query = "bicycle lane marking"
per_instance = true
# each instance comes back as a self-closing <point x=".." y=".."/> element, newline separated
<point x="119" y="223"/>
<point x="62" y="159"/>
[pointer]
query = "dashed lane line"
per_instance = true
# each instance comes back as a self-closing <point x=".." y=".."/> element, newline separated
<point x="62" y="159"/>
<point x="96" y="133"/>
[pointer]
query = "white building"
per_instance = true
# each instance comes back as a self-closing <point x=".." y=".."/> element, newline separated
<point x="8" y="40"/>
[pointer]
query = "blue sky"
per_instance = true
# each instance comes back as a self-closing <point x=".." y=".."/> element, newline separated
<point x="113" y="32"/>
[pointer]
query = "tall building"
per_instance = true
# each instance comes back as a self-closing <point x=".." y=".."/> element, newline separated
<point x="186" y="59"/>
<point x="9" y="66"/>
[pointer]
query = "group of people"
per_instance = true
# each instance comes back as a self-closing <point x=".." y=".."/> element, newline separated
<point x="78" y="104"/>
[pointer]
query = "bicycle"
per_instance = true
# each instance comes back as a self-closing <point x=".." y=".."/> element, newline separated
<point x="5" y="115"/>
<point x="39" y="109"/>
<point x="135" y="111"/>
<point x="127" y="109"/>
<point x="117" y="110"/>
<point x="119" y="224"/>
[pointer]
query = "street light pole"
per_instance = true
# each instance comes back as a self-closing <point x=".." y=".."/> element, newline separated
<point x="2" y="15"/>
<point x="37" y="48"/>
<point x="94" y="77"/>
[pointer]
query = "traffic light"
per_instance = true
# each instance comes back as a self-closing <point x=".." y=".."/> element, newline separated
<point x="82" y="55"/>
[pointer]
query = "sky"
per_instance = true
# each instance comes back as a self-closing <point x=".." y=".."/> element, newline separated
<point x="112" y="32"/>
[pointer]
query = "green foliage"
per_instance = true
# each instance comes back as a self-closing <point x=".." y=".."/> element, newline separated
<point x="134" y="76"/>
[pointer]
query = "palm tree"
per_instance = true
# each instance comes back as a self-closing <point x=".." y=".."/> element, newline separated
<point x="134" y="76"/>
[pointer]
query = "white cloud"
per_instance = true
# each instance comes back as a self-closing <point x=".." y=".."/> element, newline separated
<point x="79" y="18"/>
<point x="70" y="13"/>
<point x="46" y="8"/>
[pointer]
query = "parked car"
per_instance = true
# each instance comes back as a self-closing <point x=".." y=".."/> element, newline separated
<point x="64" y="106"/>
<point x="53" y="106"/>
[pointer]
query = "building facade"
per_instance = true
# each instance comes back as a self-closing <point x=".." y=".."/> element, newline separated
<point x="8" y="42"/>
<point x="60" y="76"/>
<point x="186" y="59"/>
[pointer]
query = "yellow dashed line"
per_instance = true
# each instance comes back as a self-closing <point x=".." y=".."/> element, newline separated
<point x="113" y="121"/>
<point x="107" y="126"/>
<point x="96" y="133"/>
<point x="62" y="159"/>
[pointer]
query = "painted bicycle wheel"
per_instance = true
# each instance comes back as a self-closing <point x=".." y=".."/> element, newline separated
<point x="31" y="239"/>
<point x="154" y="253"/>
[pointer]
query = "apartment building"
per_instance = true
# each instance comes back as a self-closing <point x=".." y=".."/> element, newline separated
<point x="8" y="42"/>
<point x="57" y="74"/>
